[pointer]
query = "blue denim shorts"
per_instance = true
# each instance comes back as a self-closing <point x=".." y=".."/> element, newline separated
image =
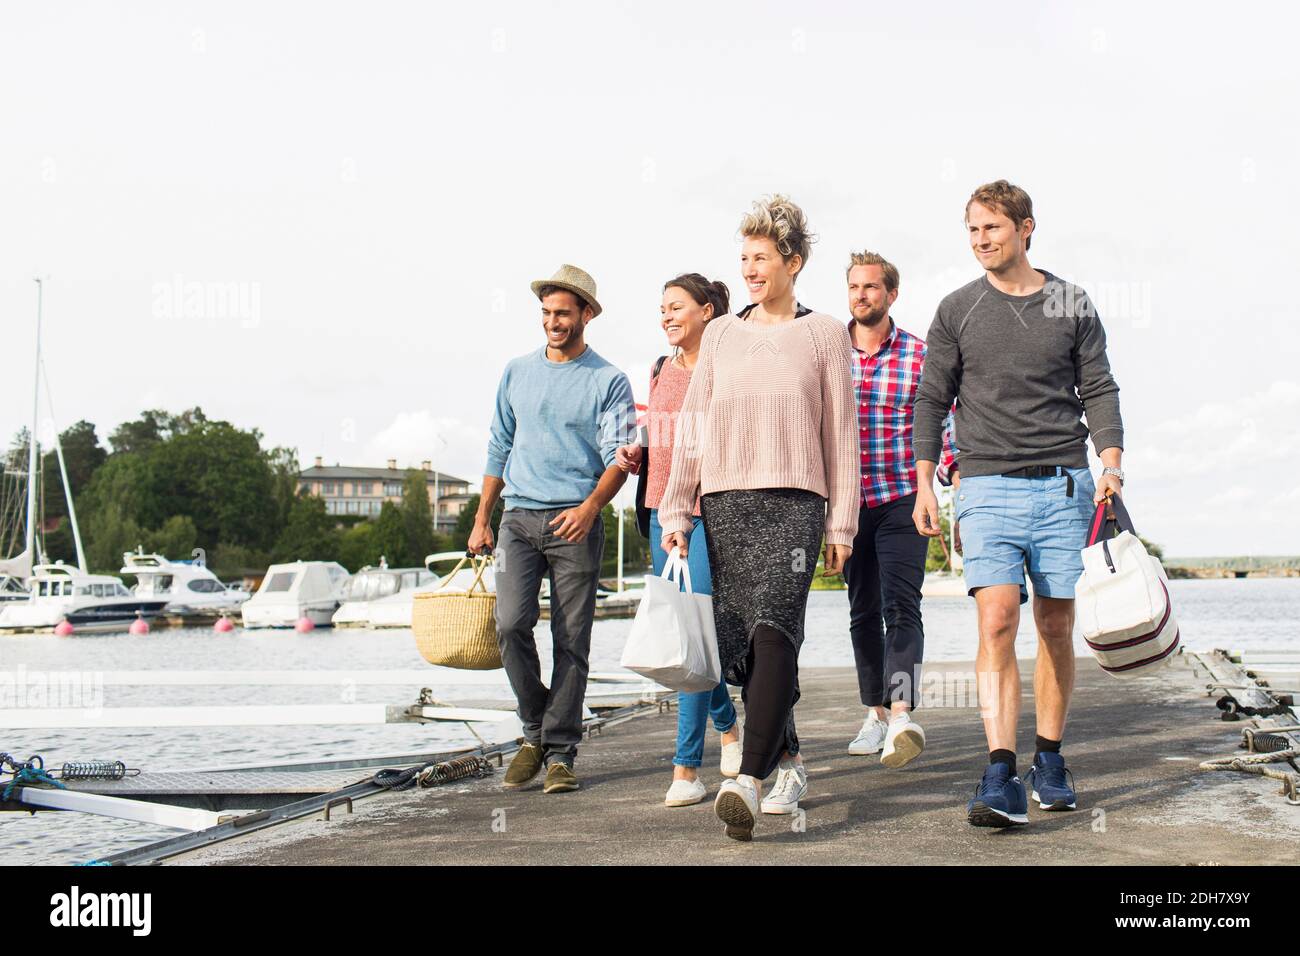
<point x="1010" y="525"/>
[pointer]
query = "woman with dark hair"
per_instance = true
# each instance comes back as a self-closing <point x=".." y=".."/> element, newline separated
<point x="768" y="439"/>
<point x="689" y="302"/>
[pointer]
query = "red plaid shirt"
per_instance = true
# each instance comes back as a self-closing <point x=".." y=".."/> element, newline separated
<point x="885" y="386"/>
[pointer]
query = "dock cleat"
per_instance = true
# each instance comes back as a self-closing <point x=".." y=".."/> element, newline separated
<point x="999" y="799"/>
<point x="1052" y="782"/>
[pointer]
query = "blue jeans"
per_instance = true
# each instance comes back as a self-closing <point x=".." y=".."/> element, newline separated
<point x="693" y="710"/>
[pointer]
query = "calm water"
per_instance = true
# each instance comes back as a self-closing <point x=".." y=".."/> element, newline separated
<point x="1253" y="614"/>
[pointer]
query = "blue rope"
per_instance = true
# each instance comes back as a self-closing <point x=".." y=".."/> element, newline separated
<point x="32" y="772"/>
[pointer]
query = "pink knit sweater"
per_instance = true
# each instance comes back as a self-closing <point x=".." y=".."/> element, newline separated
<point x="769" y="406"/>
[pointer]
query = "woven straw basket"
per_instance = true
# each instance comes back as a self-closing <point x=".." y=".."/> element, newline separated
<point x="458" y="628"/>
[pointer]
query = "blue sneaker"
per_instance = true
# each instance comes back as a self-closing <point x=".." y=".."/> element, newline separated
<point x="999" y="799"/>
<point x="1048" y="778"/>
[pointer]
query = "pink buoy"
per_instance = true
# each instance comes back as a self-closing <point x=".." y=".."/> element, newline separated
<point x="139" y="626"/>
<point x="63" y="628"/>
<point x="304" y="625"/>
<point x="223" y="625"/>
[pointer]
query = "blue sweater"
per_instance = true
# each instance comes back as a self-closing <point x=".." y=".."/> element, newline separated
<point x="556" y="428"/>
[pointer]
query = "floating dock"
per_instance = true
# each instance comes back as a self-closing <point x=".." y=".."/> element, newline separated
<point x="1135" y="747"/>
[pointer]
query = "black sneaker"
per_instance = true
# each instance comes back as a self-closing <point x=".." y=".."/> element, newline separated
<point x="526" y="765"/>
<point x="560" y="778"/>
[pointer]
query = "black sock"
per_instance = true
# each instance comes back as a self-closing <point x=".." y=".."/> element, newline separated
<point x="1007" y="757"/>
<point x="1044" y="746"/>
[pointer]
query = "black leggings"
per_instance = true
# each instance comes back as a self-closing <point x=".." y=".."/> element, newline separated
<point x="769" y="694"/>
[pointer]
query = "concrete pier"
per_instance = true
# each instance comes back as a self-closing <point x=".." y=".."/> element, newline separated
<point x="1133" y="746"/>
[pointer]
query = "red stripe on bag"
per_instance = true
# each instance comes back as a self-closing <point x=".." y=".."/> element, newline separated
<point x="1098" y="522"/>
<point x="1134" y="641"/>
<point x="1150" y="660"/>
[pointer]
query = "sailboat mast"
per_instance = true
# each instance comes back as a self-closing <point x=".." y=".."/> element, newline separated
<point x="31" y="439"/>
<point x="63" y="474"/>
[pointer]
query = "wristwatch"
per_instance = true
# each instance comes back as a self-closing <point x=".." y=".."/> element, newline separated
<point x="1114" y="471"/>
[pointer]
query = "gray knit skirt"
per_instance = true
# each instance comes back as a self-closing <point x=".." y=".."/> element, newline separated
<point x="763" y="550"/>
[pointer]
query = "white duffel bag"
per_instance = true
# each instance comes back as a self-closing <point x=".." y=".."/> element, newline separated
<point x="673" y="640"/>
<point x="1122" y="600"/>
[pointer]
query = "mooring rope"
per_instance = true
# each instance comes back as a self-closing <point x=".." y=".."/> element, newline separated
<point x="26" y="773"/>
<point x="1234" y="709"/>
<point x="1258" y="764"/>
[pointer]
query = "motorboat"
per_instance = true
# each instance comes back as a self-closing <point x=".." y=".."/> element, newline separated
<point x="187" y="586"/>
<point x="381" y="596"/>
<point x="95" y="602"/>
<point x="300" y="589"/>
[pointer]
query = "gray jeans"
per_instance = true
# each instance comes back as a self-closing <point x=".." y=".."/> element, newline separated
<point x="526" y="550"/>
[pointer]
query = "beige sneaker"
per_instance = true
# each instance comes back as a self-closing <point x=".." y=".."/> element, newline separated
<point x="526" y="764"/>
<point x="903" y="743"/>
<point x="560" y="778"/>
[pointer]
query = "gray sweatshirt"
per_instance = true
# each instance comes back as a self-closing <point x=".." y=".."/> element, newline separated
<point x="1022" y="369"/>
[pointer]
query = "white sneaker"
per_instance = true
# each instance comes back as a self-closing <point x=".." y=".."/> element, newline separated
<point x="903" y="743"/>
<point x="737" y="806"/>
<point x="685" y="793"/>
<point x="791" y="784"/>
<point x="729" y="766"/>
<point x="870" y="738"/>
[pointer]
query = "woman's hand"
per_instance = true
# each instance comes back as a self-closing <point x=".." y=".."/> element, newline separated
<point x="674" y="540"/>
<point x="837" y="555"/>
<point x="628" y="458"/>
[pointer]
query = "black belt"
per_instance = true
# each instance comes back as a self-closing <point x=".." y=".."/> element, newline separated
<point x="1044" y="471"/>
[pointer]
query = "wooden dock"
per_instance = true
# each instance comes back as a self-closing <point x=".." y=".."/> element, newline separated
<point x="1134" y="747"/>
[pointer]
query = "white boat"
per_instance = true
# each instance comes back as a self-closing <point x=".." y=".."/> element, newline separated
<point x="290" y="592"/>
<point x="382" y="596"/>
<point x="94" y="602"/>
<point x="188" y="587"/>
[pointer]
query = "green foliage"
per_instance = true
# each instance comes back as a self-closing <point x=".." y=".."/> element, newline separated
<point x="82" y="455"/>
<point x="636" y="549"/>
<point x="1153" y="549"/>
<point x="390" y="534"/>
<point x="230" y="561"/>
<point x="309" y="535"/>
<point x="177" y="538"/>
<point x="216" y="474"/>
<point x="163" y="467"/>
<point x="110" y="532"/>
<point x="936" y="558"/>
<point x="357" y="546"/>
<point x="417" y="520"/>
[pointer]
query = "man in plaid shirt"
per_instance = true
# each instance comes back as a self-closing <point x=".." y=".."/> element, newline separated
<point x="887" y="568"/>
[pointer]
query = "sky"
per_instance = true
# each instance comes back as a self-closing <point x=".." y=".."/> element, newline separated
<point x="321" y="220"/>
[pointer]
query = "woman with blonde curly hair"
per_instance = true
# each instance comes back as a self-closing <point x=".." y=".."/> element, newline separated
<point x="768" y="440"/>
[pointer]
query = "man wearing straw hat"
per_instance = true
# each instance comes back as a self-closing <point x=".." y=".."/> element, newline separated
<point x="562" y="412"/>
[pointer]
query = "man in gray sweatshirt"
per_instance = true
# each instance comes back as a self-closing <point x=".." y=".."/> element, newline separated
<point x="1024" y="354"/>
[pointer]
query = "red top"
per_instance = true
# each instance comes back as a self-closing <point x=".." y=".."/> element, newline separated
<point x="667" y="394"/>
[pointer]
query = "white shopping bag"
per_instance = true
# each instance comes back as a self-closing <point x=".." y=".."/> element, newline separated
<point x="673" y="640"/>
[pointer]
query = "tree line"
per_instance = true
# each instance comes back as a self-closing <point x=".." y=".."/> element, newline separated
<point x="181" y="484"/>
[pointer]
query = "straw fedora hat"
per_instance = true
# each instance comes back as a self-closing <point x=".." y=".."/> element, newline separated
<point x="576" y="281"/>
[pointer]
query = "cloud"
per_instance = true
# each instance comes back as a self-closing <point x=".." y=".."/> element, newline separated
<point x="453" y="446"/>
